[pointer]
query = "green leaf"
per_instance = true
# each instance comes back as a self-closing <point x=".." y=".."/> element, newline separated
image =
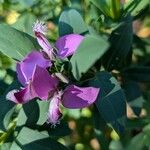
<point x="111" y="100"/>
<point x="110" y="8"/>
<point x="102" y="5"/>
<point x="115" y="145"/>
<point x="135" y="6"/>
<point x="8" y="117"/>
<point x="60" y="130"/>
<point x="135" y="123"/>
<point x="43" y="110"/>
<point x="5" y="146"/>
<point x="29" y="114"/>
<point x="7" y="107"/>
<point x="89" y="51"/>
<point x="121" y="41"/>
<point x="137" y="142"/>
<point x="137" y="73"/>
<point x="14" y="43"/>
<point x="27" y="3"/>
<point x="25" y="23"/>
<point x="33" y="113"/>
<point x="71" y="21"/>
<point x="29" y="139"/>
<point x="134" y="96"/>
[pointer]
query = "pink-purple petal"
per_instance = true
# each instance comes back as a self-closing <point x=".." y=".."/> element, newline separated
<point x="26" y="67"/>
<point x="23" y="96"/>
<point x="79" y="97"/>
<point x="20" y="75"/>
<point x="43" y="83"/>
<point x="68" y="44"/>
<point x="44" y="43"/>
<point x="54" y="113"/>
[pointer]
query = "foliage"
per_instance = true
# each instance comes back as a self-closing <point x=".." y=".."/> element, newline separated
<point x="112" y="57"/>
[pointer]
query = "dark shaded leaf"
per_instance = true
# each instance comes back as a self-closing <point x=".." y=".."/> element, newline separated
<point x="111" y="100"/>
<point x="60" y="130"/>
<point x="134" y="96"/>
<point x="119" y="54"/>
<point x="135" y="123"/>
<point x="7" y="107"/>
<point x="33" y="113"/>
<point x="29" y="139"/>
<point x="141" y="73"/>
<point x="100" y="128"/>
<point x="137" y="142"/>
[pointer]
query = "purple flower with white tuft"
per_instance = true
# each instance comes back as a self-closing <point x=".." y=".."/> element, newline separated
<point x="65" y="45"/>
<point x="40" y="30"/>
<point x="37" y="82"/>
<point x="35" y="78"/>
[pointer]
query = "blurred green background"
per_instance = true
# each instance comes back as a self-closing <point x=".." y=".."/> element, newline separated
<point x="21" y="14"/>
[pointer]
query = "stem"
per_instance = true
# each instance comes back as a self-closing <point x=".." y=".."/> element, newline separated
<point x="5" y="135"/>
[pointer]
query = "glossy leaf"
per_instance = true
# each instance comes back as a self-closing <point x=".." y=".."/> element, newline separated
<point x="25" y="23"/>
<point x="111" y="101"/>
<point x="89" y="51"/>
<point x="33" y="113"/>
<point x="71" y="21"/>
<point x="135" y="6"/>
<point x="121" y="41"/>
<point x="14" y="43"/>
<point x="7" y="107"/>
<point x="29" y="139"/>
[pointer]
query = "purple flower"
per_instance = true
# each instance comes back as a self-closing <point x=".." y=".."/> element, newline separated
<point x="73" y="97"/>
<point x="40" y="30"/>
<point x="35" y="78"/>
<point x="26" y="67"/>
<point x="65" y="45"/>
<point x="37" y="82"/>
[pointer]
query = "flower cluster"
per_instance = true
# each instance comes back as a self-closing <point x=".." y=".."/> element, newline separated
<point x="38" y="82"/>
